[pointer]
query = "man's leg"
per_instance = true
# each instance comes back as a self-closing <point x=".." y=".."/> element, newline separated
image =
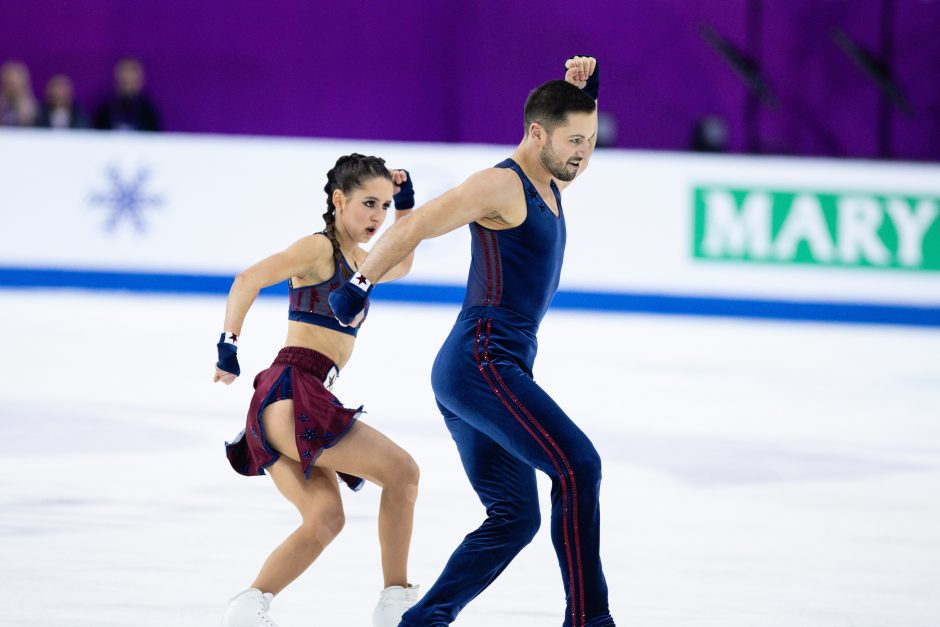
<point x="478" y="376"/>
<point x="506" y="487"/>
<point x="535" y="429"/>
<point x="555" y="445"/>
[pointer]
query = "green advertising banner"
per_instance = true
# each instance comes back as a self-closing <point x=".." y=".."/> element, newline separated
<point x="825" y="228"/>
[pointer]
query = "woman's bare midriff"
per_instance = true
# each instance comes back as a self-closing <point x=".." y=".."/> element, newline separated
<point x="335" y="345"/>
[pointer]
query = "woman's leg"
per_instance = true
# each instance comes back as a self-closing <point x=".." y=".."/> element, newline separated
<point x="366" y="453"/>
<point x="317" y="499"/>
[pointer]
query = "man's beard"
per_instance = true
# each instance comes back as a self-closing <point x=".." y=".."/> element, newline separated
<point x="554" y="165"/>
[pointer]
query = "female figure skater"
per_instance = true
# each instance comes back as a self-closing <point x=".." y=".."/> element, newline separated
<point x="296" y="429"/>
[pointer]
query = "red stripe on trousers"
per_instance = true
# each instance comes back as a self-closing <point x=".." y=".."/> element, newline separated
<point x="561" y="454"/>
<point x="561" y="476"/>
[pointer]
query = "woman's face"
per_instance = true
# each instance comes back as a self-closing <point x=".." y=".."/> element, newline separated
<point x="361" y="214"/>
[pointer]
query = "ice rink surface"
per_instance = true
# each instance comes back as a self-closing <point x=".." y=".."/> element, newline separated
<point x="756" y="474"/>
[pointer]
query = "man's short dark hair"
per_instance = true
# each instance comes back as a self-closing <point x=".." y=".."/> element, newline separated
<point x="550" y="103"/>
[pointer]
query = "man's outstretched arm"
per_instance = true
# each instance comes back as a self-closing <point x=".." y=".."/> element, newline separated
<point x="484" y="195"/>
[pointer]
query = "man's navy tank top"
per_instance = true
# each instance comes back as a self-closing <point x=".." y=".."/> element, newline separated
<point x="518" y="269"/>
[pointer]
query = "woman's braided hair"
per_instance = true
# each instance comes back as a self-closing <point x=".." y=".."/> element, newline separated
<point x="349" y="173"/>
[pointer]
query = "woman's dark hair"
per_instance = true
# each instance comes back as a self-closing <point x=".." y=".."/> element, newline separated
<point x="349" y="173"/>
<point x="550" y="103"/>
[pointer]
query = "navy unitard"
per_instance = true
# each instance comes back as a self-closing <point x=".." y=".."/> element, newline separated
<point x="505" y="426"/>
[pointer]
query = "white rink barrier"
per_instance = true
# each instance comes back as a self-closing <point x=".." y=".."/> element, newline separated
<point x="661" y="232"/>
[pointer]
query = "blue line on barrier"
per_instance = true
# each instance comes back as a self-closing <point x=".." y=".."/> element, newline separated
<point x="164" y="283"/>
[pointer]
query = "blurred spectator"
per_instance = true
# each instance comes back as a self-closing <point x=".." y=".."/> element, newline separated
<point x="710" y="135"/>
<point x="59" y="109"/>
<point x="607" y="129"/>
<point x="129" y="108"/>
<point x="17" y="103"/>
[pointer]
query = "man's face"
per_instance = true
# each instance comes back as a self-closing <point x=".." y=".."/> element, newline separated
<point x="568" y="147"/>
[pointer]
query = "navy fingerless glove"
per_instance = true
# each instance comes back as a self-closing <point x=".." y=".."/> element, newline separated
<point x="350" y="298"/>
<point x="228" y="354"/>
<point x="594" y="81"/>
<point x="405" y="198"/>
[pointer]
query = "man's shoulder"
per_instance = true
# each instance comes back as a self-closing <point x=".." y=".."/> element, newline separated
<point x="498" y="191"/>
<point x="494" y="180"/>
<point x="498" y="171"/>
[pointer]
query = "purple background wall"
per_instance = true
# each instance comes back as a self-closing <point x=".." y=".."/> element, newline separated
<point x="459" y="71"/>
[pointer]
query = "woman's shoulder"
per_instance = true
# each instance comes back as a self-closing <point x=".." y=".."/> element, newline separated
<point x="315" y="243"/>
<point x="317" y="251"/>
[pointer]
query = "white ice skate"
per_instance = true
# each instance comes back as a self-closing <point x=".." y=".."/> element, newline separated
<point x="393" y="602"/>
<point x="249" y="609"/>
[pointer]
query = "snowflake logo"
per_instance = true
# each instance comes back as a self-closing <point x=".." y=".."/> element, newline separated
<point x="126" y="199"/>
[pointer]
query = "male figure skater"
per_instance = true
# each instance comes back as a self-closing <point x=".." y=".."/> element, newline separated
<point x="504" y="424"/>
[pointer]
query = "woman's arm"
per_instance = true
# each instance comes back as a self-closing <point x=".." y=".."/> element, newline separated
<point x="297" y="260"/>
<point x="404" y="204"/>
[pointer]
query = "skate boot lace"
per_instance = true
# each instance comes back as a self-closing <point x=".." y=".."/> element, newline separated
<point x="263" y="613"/>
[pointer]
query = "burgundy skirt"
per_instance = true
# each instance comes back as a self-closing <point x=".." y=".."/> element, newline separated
<point x="320" y="420"/>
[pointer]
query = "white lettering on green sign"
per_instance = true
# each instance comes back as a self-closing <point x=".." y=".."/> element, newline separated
<point x="824" y="228"/>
